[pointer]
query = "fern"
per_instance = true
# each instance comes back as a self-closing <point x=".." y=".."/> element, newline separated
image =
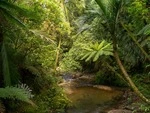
<point x="16" y="93"/>
<point x="99" y="53"/>
<point x="94" y="51"/>
<point x="91" y="56"/>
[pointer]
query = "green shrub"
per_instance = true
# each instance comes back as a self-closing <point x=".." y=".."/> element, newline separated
<point x="108" y="78"/>
<point x="50" y="101"/>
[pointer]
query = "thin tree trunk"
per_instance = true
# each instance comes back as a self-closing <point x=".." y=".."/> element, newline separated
<point x="57" y="56"/>
<point x="125" y="74"/>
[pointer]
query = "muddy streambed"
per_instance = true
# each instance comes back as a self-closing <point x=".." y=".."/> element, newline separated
<point x="90" y="99"/>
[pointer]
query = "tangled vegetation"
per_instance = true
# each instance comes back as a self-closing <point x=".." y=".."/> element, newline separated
<point x="41" y="39"/>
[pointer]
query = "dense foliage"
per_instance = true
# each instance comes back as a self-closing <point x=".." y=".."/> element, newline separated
<point x="40" y="39"/>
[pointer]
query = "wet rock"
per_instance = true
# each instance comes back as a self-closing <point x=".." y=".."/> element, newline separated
<point x="76" y="75"/>
<point x="119" y="111"/>
<point x="107" y="88"/>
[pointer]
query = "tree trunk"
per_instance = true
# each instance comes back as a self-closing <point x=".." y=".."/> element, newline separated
<point x="57" y="56"/>
<point x="125" y="74"/>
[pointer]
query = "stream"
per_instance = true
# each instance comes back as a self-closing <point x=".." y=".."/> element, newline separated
<point x="88" y="99"/>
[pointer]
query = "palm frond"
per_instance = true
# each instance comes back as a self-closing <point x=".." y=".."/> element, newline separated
<point x="16" y="9"/>
<point x="103" y="5"/>
<point x="5" y="66"/>
<point x="11" y="18"/>
<point x="111" y="10"/>
<point x="5" y="4"/>
<point x="11" y="12"/>
<point x="145" y="30"/>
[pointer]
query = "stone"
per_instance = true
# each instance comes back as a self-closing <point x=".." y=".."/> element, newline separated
<point x="119" y="111"/>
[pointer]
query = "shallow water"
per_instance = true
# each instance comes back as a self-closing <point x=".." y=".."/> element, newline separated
<point x="89" y="99"/>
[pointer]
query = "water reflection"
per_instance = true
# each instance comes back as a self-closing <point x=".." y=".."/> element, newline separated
<point x="89" y="99"/>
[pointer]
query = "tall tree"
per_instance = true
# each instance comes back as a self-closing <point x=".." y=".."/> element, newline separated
<point x="111" y="10"/>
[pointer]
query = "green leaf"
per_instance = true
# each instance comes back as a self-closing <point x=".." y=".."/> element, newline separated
<point x="10" y="17"/>
<point x="108" y="53"/>
<point x="98" y="54"/>
<point x="5" y="64"/>
<point x="145" y="30"/>
<point x="90" y="56"/>
<point x="86" y="55"/>
<point x="107" y="46"/>
<point x="101" y="44"/>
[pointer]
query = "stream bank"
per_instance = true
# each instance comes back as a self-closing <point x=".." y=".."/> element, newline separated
<point x="87" y="97"/>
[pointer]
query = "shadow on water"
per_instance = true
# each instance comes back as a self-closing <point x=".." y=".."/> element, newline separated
<point x="89" y="99"/>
